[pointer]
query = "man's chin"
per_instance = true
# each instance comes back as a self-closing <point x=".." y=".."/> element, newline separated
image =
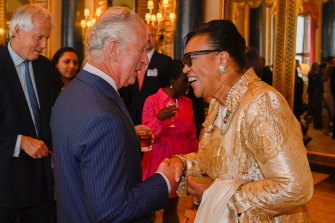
<point x="34" y="56"/>
<point x="130" y="82"/>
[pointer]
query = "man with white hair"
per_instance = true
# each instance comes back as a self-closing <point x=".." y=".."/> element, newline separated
<point x="25" y="108"/>
<point x="97" y="154"/>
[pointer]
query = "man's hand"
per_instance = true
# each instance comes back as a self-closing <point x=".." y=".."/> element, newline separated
<point x="172" y="173"/>
<point x="178" y="165"/>
<point x="197" y="189"/>
<point x="34" y="147"/>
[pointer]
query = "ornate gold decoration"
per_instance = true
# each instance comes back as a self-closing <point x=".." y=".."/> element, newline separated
<point x="228" y="10"/>
<point x="162" y="16"/>
<point x="2" y="22"/>
<point x="90" y="17"/>
<point x="239" y="17"/>
<point x="284" y="57"/>
<point x="91" y="13"/>
<point x="285" y="13"/>
<point x="255" y="3"/>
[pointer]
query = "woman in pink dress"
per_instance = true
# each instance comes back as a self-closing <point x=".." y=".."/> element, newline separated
<point x="170" y="116"/>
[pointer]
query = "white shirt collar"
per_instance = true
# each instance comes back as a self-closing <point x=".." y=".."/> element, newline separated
<point x="150" y="54"/>
<point x="90" y="68"/>
<point x="17" y="60"/>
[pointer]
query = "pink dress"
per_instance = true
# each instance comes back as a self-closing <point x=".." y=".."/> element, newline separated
<point x="168" y="141"/>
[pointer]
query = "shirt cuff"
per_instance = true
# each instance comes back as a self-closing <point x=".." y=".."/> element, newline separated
<point x="17" y="146"/>
<point x="167" y="181"/>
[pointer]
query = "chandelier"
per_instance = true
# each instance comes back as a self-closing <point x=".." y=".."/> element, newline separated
<point x="162" y="17"/>
<point x="87" y="23"/>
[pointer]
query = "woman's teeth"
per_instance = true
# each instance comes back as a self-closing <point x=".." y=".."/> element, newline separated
<point x="192" y="79"/>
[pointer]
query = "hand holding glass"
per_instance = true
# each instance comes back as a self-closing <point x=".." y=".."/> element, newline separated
<point x="145" y="137"/>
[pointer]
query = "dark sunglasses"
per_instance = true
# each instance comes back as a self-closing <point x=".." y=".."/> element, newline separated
<point x="187" y="60"/>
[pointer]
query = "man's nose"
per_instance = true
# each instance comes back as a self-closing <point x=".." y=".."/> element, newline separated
<point x="43" y="43"/>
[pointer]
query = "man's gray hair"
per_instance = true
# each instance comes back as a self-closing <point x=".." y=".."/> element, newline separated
<point x="114" y="23"/>
<point x="23" y="17"/>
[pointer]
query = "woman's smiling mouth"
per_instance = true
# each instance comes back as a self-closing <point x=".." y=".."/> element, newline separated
<point x="192" y="79"/>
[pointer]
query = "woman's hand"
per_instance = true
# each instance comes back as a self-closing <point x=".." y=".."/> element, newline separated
<point x="197" y="189"/>
<point x="167" y="112"/>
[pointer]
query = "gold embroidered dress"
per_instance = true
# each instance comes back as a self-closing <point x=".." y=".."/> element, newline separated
<point x="256" y="138"/>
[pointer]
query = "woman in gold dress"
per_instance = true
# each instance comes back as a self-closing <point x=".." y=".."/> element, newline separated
<point x="251" y="145"/>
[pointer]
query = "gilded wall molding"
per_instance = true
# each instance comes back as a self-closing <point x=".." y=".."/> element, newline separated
<point x="280" y="49"/>
<point x="284" y="54"/>
<point x="2" y="22"/>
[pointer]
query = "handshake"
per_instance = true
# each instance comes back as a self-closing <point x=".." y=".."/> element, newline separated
<point x="172" y="169"/>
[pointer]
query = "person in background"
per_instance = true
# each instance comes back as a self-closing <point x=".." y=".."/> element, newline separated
<point x="327" y="97"/>
<point x="26" y="99"/>
<point x="252" y="143"/>
<point x="96" y="151"/>
<point x="315" y="95"/>
<point x="267" y="74"/>
<point x="198" y="111"/>
<point x="147" y="82"/>
<point x="169" y="140"/>
<point x="331" y="74"/>
<point x="65" y="67"/>
<point x="254" y="60"/>
<point x="298" y="106"/>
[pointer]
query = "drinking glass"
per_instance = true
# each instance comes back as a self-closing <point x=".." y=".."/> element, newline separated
<point x="173" y="103"/>
<point x="145" y="137"/>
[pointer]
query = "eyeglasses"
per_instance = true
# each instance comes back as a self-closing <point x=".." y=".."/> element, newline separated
<point x="187" y="60"/>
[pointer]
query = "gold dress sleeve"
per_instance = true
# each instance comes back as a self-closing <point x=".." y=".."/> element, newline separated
<point x="273" y="136"/>
<point x="256" y="138"/>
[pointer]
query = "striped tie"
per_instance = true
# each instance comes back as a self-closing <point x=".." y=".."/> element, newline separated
<point x="32" y="97"/>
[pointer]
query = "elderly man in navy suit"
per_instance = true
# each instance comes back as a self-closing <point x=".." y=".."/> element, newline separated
<point x="96" y="151"/>
<point x="25" y="109"/>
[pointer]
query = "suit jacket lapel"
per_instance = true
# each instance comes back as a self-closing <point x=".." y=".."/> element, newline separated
<point x="14" y="85"/>
<point x="39" y="83"/>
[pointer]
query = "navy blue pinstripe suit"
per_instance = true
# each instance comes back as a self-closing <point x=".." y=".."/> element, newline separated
<point x="97" y="157"/>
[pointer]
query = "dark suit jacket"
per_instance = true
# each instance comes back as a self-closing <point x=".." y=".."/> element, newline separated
<point x="135" y="98"/>
<point x="24" y="180"/>
<point x="97" y="157"/>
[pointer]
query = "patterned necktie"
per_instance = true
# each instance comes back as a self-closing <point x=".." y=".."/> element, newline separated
<point x="32" y="97"/>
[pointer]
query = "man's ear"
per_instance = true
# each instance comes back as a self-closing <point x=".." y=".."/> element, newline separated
<point x="113" y="48"/>
<point x="224" y="58"/>
<point x="17" y="30"/>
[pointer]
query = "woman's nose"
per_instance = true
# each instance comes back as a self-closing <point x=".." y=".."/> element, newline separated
<point x="186" y="69"/>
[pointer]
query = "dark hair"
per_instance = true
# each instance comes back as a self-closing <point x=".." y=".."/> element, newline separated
<point x="253" y="60"/>
<point x="314" y="68"/>
<point x="173" y="71"/>
<point x="55" y="75"/>
<point x="60" y="53"/>
<point x="329" y="59"/>
<point x="323" y="65"/>
<point x="223" y="35"/>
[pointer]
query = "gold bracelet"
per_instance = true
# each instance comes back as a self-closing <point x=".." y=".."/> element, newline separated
<point x="182" y="159"/>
